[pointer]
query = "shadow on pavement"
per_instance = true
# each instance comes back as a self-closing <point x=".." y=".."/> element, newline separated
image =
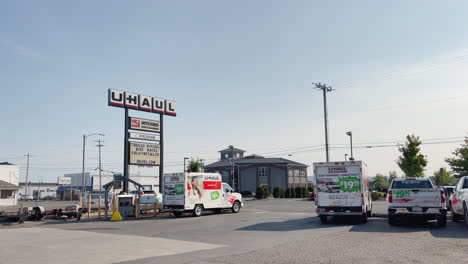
<point x="374" y="225"/>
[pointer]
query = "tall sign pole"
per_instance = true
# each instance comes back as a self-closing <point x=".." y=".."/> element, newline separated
<point x="161" y="143"/>
<point x="137" y="152"/>
<point x="126" y="154"/>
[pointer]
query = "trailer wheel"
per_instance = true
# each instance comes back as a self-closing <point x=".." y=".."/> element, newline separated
<point x="198" y="210"/>
<point x="236" y="207"/>
<point x="323" y="219"/>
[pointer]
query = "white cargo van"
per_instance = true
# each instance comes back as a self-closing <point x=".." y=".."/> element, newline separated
<point x="342" y="189"/>
<point x="195" y="192"/>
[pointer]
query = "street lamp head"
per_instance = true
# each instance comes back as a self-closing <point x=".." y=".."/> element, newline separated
<point x="349" y="133"/>
<point x="100" y="134"/>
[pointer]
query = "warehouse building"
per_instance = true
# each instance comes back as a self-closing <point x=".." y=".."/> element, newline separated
<point x="254" y="170"/>
<point x="9" y="179"/>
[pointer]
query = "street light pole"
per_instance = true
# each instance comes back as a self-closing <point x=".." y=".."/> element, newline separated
<point x="350" y="134"/>
<point x="83" y="168"/>
<point x="232" y="169"/>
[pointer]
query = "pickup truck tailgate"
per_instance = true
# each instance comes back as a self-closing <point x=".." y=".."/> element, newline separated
<point x="416" y="198"/>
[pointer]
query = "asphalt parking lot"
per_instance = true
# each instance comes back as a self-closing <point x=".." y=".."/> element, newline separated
<point x="265" y="231"/>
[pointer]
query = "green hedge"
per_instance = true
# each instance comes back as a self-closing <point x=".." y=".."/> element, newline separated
<point x="278" y="192"/>
<point x="262" y="192"/>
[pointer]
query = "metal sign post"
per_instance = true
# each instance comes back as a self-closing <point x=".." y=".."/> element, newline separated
<point x="142" y="153"/>
<point x="126" y="156"/>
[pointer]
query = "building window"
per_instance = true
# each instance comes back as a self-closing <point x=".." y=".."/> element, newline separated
<point x="262" y="176"/>
<point x="6" y="194"/>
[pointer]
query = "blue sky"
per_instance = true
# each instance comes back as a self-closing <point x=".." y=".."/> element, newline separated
<point x="241" y="73"/>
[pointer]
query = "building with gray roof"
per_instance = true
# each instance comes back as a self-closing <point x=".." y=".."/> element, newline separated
<point x="249" y="172"/>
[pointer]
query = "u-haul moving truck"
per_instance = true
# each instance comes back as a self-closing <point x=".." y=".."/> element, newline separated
<point x="195" y="192"/>
<point x="342" y="188"/>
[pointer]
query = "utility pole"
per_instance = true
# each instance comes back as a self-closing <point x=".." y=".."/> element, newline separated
<point x="232" y="169"/>
<point x="27" y="175"/>
<point x="325" y="89"/>
<point x="99" y="145"/>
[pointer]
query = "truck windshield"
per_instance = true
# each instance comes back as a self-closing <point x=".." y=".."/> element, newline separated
<point x="412" y="185"/>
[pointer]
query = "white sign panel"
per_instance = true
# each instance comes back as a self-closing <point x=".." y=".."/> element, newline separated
<point x="144" y="136"/>
<point x="144" y="154"/>
<point x="141" y="102"/>
<point x="144" y="124"/>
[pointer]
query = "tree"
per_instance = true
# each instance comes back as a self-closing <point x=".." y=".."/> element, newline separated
<point x="380" y="181"/>
<point x="391" y="176"/>
<point x="459" y="164"/>
<point x="444" y="179"/>
<point x="412" y="162"/>
<point x="194" y="166"/>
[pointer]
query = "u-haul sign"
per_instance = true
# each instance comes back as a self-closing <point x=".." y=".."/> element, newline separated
<point x="141" y="102"/>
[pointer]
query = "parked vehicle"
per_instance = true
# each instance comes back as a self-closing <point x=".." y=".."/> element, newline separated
<point x="342" y="189"/>
<point x="459" y="201"/>
<point x="70" y="211"/>
<point x="196" y="192"/>
<point x="416" y="197"/>
<point x="95" y="200"/>
<point x="448" y="192"/>
<point x="148" y="199"/>
<point x="26" y="197"/>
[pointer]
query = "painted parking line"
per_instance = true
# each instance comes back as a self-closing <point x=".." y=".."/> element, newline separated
<point x="44" y="245"/>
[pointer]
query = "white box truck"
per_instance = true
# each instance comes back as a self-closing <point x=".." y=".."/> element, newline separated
<point x="196" y="192"/>
<point x="342" y="189"/>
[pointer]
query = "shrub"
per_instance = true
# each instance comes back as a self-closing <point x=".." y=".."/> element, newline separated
<point x="266" y="192"/>
<point x="278" y="192"/>
<point x="298" y="192"/>
<point x="260" y="192"/>
<point x="290" y="193"/>
<point x="375" y="195"/>
<point x="304" y="192"/>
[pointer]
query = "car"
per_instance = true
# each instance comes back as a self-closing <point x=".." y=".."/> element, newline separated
<point x="448" y="192"/>
<point x="95" y="200"/>
<point x="26" y="197"/>
<point x="459" y="201"/>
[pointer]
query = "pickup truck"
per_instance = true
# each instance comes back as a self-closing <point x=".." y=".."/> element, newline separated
<point x="459" y="201"/>
<point x="416" y="197"/>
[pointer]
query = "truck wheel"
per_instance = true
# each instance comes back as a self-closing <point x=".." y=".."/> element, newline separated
<point x="236" y="207"/>
<point x="177" y="214"/>
<point x="198" y="210"/>
<point x="369" y="213"/>
<point x="323" y="219"/>
<point x="455" y="216"/>
<point x="466" y="216"/>
<point x="391" y="220"/>
<point x="364" y="218"/>
<point x="442" y="222"/>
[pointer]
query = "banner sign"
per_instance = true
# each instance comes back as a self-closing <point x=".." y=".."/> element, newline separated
<point x="144" y="154"/>
<point x="141" y="102"/>
<point x="142" y="136"/>
<point x="144" y="124"/>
